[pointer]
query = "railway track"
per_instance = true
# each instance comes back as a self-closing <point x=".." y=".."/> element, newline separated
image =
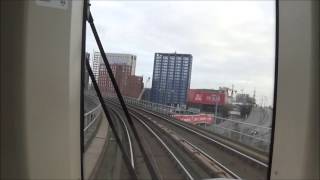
<point x="241" y="164"/>
<point x="225" y="158"/>
<point x="116" y="169"/>
<point x="192" y="162"/>
<point x="254" y="155"/>
<point x="162" y="162"/>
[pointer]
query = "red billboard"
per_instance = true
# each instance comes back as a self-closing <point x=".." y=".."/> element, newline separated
<point x="196" y="119"/>
<point x="206" y="97"/>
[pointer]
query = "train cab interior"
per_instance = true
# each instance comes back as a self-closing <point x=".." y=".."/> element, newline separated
<point x="49" y="127"/>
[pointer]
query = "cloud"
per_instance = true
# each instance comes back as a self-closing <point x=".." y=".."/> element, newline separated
<point x="232" y="42"/>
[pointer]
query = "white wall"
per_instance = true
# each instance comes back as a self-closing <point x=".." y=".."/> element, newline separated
<point x="296" y="144"/>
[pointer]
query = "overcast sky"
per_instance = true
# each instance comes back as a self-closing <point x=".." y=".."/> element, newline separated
<point x="232" y="42"/>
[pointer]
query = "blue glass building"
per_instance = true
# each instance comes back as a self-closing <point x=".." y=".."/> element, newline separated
<point x="171" y="78"/>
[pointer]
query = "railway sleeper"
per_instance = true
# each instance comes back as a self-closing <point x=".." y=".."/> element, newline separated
<point x="211" y="167"/>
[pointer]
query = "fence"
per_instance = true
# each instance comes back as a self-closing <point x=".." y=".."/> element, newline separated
<point x="91" y="123"/>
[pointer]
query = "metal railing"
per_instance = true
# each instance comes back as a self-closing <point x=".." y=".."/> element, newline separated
<point x="164" y="109"/>
<point x="253" y="135"/>
<point x="91" y="122"/>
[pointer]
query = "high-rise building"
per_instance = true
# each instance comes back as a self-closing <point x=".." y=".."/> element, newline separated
<point x="86" y="74"/>
<point x="171" y="78"/>
<point x="96" y="64"/>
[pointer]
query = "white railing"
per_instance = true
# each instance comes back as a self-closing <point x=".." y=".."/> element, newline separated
<point x="247" y="133"/>
<point x="91" y="122"/>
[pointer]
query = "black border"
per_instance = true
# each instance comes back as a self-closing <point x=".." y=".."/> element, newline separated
<point x="83" y="56"/>
<point x="275" y="89"/>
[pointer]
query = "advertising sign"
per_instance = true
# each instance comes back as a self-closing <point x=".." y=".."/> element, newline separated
<point x="206" y="97"/>
<point x="196" y="119"/>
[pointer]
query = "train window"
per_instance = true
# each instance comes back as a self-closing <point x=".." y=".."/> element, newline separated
<point x="213" y="115"/>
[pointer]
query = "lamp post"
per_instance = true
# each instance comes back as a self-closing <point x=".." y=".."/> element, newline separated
<point x="217" y="98"/>
<point x="216" y="110"/>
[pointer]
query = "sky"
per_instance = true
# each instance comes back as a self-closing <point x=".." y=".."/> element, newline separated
<point x="232" y="42"/>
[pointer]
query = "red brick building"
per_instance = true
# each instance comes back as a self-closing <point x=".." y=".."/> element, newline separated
<point x="134" y="86"/>
<point x="129" y="85"/>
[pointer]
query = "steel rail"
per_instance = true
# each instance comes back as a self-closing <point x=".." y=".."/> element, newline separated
<point x="209" y="138"/>
<point x="234" y="175"/>
<point x="203" y="135"/>
<point x="232" y="130"/>
<point x="112" y="126"/>
<point x="128" y="137"/>
<point x="214" y="160"/>
<point x="118" y="92"/>
<point x="188" y="174"/>
<point x="217" y="117"/>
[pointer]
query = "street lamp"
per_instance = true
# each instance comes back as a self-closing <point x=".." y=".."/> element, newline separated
<point x="216" y="99"/>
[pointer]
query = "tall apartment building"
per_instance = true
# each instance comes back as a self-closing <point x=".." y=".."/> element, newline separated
<point x="171" y="78"/>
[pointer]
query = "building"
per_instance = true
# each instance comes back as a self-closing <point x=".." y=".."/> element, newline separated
<point x="120" y="72"/>
<point x="134" y="86"/>
<point x="128" y="83"/>
<point x="127" y="59"/>
<point x="114" y="58"/>
<point x="207" y="100"/>
<point x="171" y="78"/>
<point x="245" y="99"/>
<point x="86" y="74"/>
<point x="146" y="94"/>
<point x="96" y="63"/>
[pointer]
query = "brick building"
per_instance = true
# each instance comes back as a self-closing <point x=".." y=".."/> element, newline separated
<point x="134" y="86"/>
<point x="129" y="85"/>
<point x="123" y="67"/>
